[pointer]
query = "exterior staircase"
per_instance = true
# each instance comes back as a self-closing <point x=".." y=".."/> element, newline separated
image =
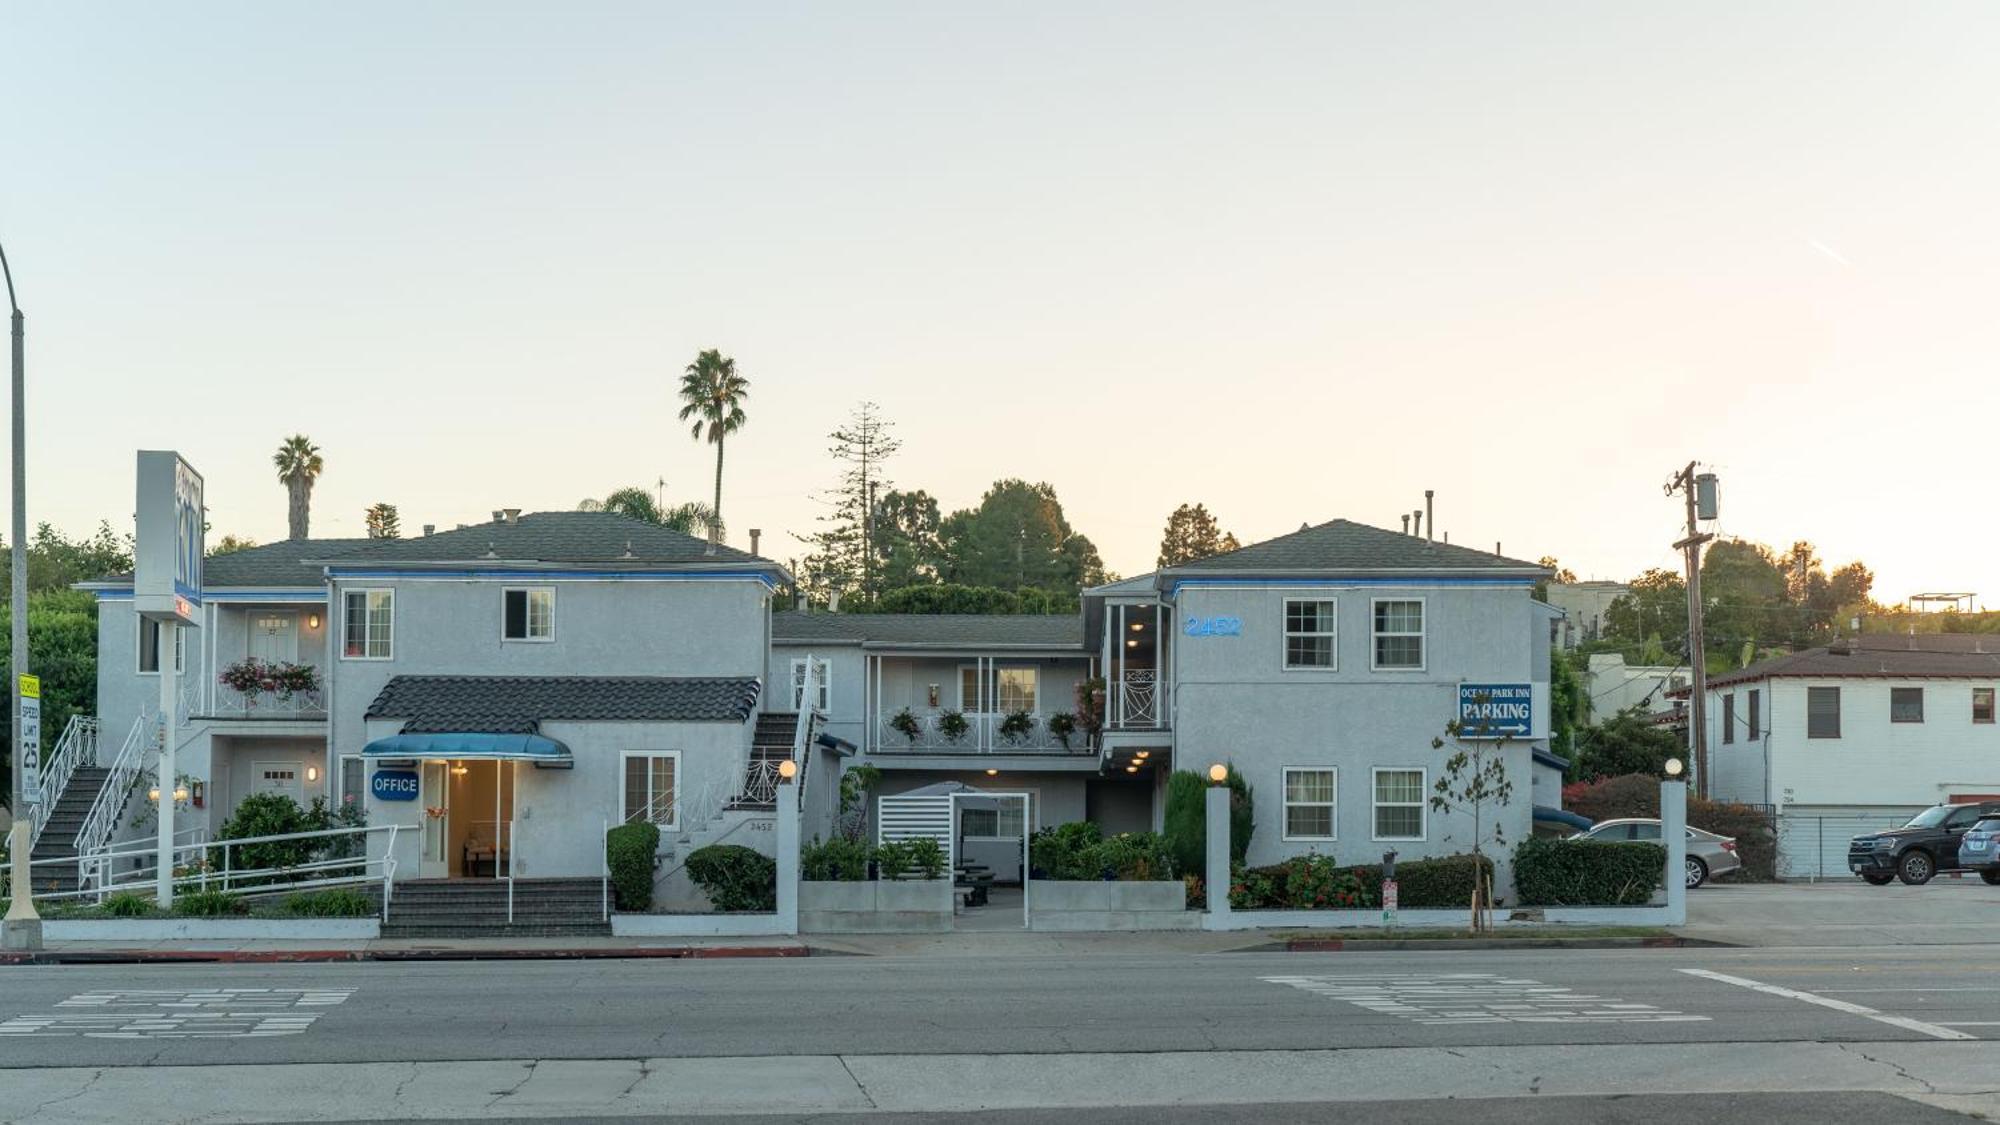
<point x="462" y="908"/>
<point x="58" y="838"/>
<point x="770" y="744"/>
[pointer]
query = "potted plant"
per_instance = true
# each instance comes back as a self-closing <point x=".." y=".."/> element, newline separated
<point x="953" y="725"/>
<point x="905" y="724"/>
<point x="1017" y="724"/>
<point x="1062" y="724"/>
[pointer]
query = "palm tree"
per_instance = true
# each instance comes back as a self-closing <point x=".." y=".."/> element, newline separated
<point x="688" y="518"/>
<point x="299" y="465"/>
<point x="712" y="394"/>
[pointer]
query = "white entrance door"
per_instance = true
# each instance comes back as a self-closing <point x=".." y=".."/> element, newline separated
<point x="278" y="777"/>
<point x="435" y="863"/>
<point x="274" y="638"/>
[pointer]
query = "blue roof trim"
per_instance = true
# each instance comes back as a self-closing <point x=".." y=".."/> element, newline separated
<point x="318" y="595"/>
<point x="519" y="573"/>
<point x="485" y="747"/>
<point x="1175" y="585"/>
<point x="1547" y="758"/>
<point x="1546" y="815"/>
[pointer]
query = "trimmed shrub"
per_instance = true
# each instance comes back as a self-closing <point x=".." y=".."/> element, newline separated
<point x="1058" y="852"/>
<point x="269" y="814"/>
<point x="837" y="860"/>
<point x="630" y="850"/>
<point x="1550" y="872"/>
<point x="209" y="904"/>
<point x="1316" y="883"/>
<point x="1184" y="825"/>
<point x="1242" y="816"/>
<point x="892" y="860"/>
<point x="927" y="856"/>
<point x="334" y="902"/>
<point x="735" y="878"/>
<point x="1133" y="856"/>
<point x="1638" y="795"/>
<point x="129" y="904"/>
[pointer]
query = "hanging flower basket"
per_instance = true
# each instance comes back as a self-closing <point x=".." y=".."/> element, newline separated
<point x="953" y="725"/>
<point x="906" y="724"/>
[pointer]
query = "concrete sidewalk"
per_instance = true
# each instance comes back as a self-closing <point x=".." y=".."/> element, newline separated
<point x="404" y="949"/>
<point x="1837" y="912"/>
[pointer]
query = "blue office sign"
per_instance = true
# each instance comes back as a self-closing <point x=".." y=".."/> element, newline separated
<point x="1496" y="710"/>
<point x="394" y="785"/>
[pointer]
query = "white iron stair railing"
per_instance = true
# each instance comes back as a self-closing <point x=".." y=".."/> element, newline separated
<point x="102" y="819"/>
<point x="77" y="747"/>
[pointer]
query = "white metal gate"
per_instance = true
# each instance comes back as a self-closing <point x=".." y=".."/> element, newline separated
<point x="916" y="818"/>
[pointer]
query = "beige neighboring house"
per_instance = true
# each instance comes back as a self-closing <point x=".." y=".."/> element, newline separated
<point x="1614" y="685"/>
<point x="1583" y="605"/>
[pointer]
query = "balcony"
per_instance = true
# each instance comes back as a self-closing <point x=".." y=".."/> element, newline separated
<point x="982" y="734"/>
<point x="231" y="705"/>
<point x="1138" y="702"/>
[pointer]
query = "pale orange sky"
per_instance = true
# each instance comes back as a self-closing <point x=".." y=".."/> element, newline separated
<point x="1293" y="261"/>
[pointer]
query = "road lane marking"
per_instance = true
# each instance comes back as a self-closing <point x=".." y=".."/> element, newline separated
<point x="1935" y="1031"/>
<point x="1459" y="999"/>
<point x="1971" y="988"/>
<point x="209" y="1013"/>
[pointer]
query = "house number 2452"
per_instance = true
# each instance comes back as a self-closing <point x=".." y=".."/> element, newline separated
<point x="1213" y="627"/>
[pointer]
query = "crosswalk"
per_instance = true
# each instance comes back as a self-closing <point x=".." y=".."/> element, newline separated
<point x="211" y="1013"/>
<point x="1458" y="999"/>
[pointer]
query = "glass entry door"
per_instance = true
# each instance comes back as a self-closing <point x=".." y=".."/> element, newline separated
<point x="436" y="859"/>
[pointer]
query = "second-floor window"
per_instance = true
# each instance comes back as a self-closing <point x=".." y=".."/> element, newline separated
<point x="1006" y="690"/>
<point x="1756" y="715"/>
<point x="368" y="624"/>
<point x="1728" y="718"/>
<point x="149" y="648"/>
<point x="1906" y="705"/>
<point x="1982" y="705"/>
<point x="1822" y="712"/>
<point x="1399" y="634"/>
<point x="528" y="614"/>
<point x="822" y="677"/>
<point x="1312" y="638"/>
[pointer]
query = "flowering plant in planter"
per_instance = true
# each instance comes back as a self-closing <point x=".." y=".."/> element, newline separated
<point x="905" y="724"/>
<point x="253" y="677"/>
<point x="1017" y="724"/>
<point x="1062" y="724"/>
<point x="953" y="725"/>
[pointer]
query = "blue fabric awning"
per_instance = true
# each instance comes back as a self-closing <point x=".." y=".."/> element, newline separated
<point x="1546" y="815"/>
<point x="483" y="747"/>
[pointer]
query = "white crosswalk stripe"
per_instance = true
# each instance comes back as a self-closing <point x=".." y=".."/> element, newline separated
<point x="1456" y="999"/>
<point x="144" y="1013"/>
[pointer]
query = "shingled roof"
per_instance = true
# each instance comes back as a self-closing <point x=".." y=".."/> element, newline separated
<point x="580" y="538"/>
<point x="930" y="630"/>
<point x="1938" y="657"/>
<point x="1342" y="545"/>
<point x="286" y="563"/>
<point x="517" y="704"/>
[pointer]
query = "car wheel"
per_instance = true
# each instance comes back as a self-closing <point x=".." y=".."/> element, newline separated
<point x="1916" y="867"/>
<point x="1992" y="876"/>
<point x="1697" y="872"/>
<point x="1878" y="878"/>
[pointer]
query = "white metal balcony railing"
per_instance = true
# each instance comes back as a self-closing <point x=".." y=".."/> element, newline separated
<point x="1138" y="701"/>
<point x="983" y="734"/>
<point x="232" y="704"/>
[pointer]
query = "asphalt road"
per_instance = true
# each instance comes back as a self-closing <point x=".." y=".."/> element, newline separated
<point x="877" y="1036"/>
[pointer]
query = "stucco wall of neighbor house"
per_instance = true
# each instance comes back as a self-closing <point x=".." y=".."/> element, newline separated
<point x="1613" y="685"/>
<point x="1738" y="771"/>
<point x="1235" y="702"/>
<point x="1875" y="762"/>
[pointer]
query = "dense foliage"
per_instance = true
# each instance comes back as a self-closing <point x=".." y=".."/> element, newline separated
<point x="1315" y="882"/>
<point x="1638" y="795"/>
<point x="333" y="902"/>
<point x="734" y="877"/>
<point x="630" y="851"/>
<point x="1577" y="872"/>
<point x="1080" y="851"/>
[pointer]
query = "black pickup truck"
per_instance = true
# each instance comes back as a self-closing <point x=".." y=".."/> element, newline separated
<point x="1918" y="850"/>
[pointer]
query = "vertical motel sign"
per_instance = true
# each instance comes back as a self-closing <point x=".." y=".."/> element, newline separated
<point x="166" y="577"/>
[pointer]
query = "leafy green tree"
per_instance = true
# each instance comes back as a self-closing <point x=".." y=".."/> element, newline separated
<point x="952" y="598"/>
<point x="1474" y="782"/>
<point x="1623" y="744"/>
<point x="1851" y="585"/>
<point x="712" y="394"/>
<point x="1018" y="538"/>
<point x="383" y="522"/>
<point x="299" y="464"/>
<point x="62" y="650"/>
<point x="1562" y="574"/>
<point x="907" y="550"/>
<point x="229" y="545"/>
<point x="1655" y="610"/>
<point x="1569" y="706"/>
<point x="1192" y="533"/>
<point x="56" y="562"/>
<point x="690" y="518"/>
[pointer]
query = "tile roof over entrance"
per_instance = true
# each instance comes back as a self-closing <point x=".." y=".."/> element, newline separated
<point x="578" y="538"/>
<point x="1342" y="545"/>
<point x="517" y="704"/>
<point x="930" y="630"/>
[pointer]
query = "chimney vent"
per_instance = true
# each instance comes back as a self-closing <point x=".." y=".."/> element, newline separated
<point x="429" y="527"/>
<point x="512" y="515"/>
<point x="499" y="514"/>
<point x="756" y="533"/>
<point x="492" y="552"/>
<point x="1406" y="523"/>
<point x="1419" y="517"/>
<point x="1430" y="519"/>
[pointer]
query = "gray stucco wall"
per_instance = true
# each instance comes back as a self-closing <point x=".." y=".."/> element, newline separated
<point x="1234" y="702"/>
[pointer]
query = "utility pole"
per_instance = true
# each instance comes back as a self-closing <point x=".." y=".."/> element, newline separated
<point x="1688" y="484"/>
<point x="22" y="928"/>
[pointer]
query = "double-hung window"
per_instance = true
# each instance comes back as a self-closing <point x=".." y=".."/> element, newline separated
<point x="1312" y="634"/>
<point x="1906" y="705"/>
<point x="528" y="614"/>
<point x="149" y="647"/>
<point x="1756" y="715"/>
<point x="1399" y="634"/>
<point x="353" y="783"/>
<point x="822" y="673"/>
<point x="1399" y="803"/>
<point x="1728" y="718"/>
<point x="1005" y="691"/>
<point x="650" y="787"/>
<point x="1982" y="705"/>
<point x="368" y="624"/>
<point x="1822" y="712"/>
<point x="1311" y="794"/>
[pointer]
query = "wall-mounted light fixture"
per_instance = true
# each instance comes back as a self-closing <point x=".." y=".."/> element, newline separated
<point x="460" y="769"/>
<point x="312" y="620"/>
<point x="312" y="773"/>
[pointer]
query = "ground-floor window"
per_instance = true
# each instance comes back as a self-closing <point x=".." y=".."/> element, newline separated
<point x="1399" y="803"/>
<point x="353" y="782"/>
<point x="1311" y="793"/>
<point x="651" y="787"/>
<point x="1006" y="821"/>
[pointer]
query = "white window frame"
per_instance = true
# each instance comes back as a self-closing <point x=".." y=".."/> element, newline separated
<point x="1423" y="636"/>
<point x="825" y="683"/>
<point x="346" y="597"/>
<point x="340" y="768"/>
<point x="528" y="614"/>
<point x="139" y="648"/>
<point x="624" y="771"/>
<point x="1286" y="634"/>
<point x="1423" y="804"/>
<point x="969" y="706"/>
<point x="1285" y="804"/>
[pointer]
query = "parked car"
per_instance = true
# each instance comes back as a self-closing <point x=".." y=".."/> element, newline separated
<point x="1709" y="856"/>
<point x="1919" y="849"/>
<point x="1979" y="849"/>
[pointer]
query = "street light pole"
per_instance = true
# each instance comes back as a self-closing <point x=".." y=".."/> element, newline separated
<point x="22" y="928"/>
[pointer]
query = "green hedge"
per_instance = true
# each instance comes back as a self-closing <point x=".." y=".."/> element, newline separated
<point x="735" y="878"/>
<point x="1573" y="872"/>
<point x="1317" y="883"/>
<point x="1079" y="851"/>
<point x="629" y="851"/>
<point x="837" y="860"/>
<point x="209" y="904"/>
<point x="334" y="902"/>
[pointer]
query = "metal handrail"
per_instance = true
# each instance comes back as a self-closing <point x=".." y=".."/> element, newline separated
<point x="604" y="876"/>
<point x="105" y="812"/>
<point x="510" y="868"/>
<point x="78" y="743"/>
<point x="195" y="865"/>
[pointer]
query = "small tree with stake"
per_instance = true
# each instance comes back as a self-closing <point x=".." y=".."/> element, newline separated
<point x="1474" y="780"/>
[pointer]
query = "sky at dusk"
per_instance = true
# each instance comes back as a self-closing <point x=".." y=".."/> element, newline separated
<point x="1296" y="262"/>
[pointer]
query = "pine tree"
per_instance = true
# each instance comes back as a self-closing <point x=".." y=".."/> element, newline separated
<point x="1193" y="534"/>
<point x="845" y="559"/>
<point x="383" y="522"/>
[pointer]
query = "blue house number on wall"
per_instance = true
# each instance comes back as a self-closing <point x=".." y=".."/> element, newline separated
<point x="1213" y="627"/>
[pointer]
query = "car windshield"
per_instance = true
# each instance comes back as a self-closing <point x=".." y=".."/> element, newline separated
<point x="1931" y="817"/>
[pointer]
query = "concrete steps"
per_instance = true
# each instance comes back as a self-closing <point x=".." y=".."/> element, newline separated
<point x="58" y="839"/>
<point x="478" y="908"/>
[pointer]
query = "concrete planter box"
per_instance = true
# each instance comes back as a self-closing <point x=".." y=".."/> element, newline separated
<point x="1117" y="905"/>
<point x="919" y="906"/>
<point x="212" y="929"/>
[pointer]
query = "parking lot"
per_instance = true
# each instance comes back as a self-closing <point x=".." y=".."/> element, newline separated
<point x="1947" y="911"/>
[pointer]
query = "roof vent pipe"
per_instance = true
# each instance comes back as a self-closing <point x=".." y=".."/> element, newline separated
<point x="1429" y="519"/>
<point x="1419" y="517"/>
<point x="513" y="515"/>
<point x="430" y="527"/>
<point x="756" y="533"/>
<point x="1406" y="523"/>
